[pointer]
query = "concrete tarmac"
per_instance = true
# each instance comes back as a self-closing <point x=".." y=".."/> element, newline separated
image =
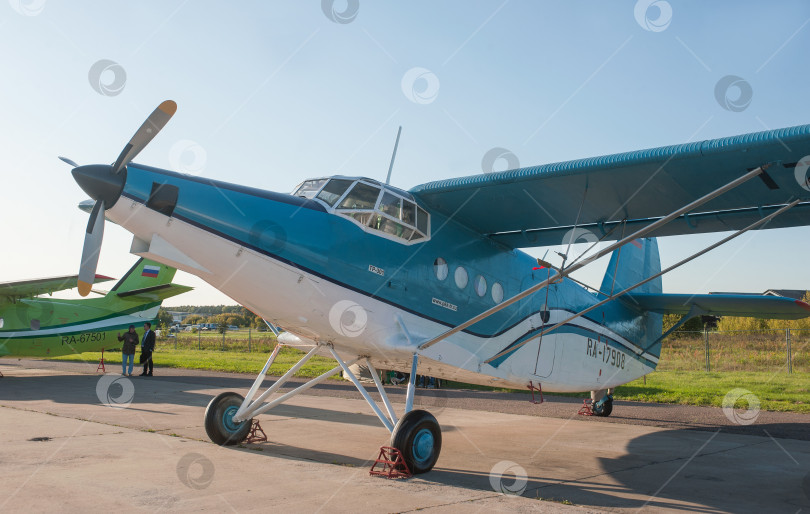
<point x="74" y="440"/>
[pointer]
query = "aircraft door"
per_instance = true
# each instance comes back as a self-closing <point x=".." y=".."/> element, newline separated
<point x="545" y="347"/>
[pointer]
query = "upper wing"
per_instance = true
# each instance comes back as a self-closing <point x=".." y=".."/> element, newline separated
<point x="538" y="206"/>
<point x="10" y="291"/>
<point x="769" y="307"/>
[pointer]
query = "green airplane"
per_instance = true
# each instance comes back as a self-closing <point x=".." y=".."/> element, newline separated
<point x="39" y="326"/>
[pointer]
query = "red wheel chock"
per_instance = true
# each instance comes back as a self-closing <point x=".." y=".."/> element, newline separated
<point x="101" y="363"/>
<point x="586" y="409"/>
<point x="539" y="389"/>
<point x="256" y="434"/>
<point x="393" y="465"/>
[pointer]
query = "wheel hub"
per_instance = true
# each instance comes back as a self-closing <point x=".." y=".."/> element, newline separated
<point x="227" y="419"/>
<point x="423" y="445"/>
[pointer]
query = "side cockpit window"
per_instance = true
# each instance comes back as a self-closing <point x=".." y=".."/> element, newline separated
<point x="333" y="190"/>
<point x="361" y="197"/>
<point x="310" y="188"/>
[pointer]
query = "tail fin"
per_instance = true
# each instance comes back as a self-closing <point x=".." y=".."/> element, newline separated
<point x="144" y="274"/>
<point x="629" y="265"/>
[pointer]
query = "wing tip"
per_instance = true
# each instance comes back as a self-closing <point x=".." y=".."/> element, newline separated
<point x="803" y="305"/>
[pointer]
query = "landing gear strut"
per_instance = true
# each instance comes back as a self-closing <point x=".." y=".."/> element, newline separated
<point x="417" y="435"/>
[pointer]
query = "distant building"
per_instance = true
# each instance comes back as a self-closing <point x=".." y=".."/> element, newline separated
<point x="796" y="294"/>
<point x="178" y="317"/>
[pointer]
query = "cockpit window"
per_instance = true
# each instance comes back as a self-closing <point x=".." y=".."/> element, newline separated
<point x="332" y="191"/>
<point x="422" y="220"/>
<point x="386" y="210"/>
<point x="408" y="212"/>
<point x="390" y="204"/>
<point x="310" y="188"/>
<point x="362" y="196"/>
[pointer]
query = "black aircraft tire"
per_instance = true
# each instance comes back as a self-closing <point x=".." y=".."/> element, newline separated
<point x="605" y="410"/>
<point x="418" y="437"/>
<point x="219" y="424"/>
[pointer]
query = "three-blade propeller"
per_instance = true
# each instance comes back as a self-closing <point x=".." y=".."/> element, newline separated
<point x="104" y="184"/>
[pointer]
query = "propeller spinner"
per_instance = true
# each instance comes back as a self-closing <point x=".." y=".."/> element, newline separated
<point x="104" y="184"/>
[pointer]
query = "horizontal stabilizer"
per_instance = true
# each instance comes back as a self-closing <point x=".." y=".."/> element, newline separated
<point x="750" y="306"/>
<point x="154" y="293"/>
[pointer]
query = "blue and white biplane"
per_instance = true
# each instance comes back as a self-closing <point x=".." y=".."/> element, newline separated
<point x="430" y="281"/>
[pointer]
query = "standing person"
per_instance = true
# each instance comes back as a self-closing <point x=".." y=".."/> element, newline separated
<point x="130" y="339"/>
<point x="147" y="347"/>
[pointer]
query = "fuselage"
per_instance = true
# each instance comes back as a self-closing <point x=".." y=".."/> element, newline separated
<point x="352" y="277"/>
<point x="47" y="327"/>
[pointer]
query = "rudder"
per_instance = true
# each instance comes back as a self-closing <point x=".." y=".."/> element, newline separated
<point x="630" y="264"/>
<point x="145" y="273"/>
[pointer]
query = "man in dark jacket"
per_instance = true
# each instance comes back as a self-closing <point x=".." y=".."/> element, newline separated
<point x="147" y="347"/>
<point x="130" y="340"/>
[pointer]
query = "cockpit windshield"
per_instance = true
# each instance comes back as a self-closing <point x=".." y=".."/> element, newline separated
<point x="375" y="207"/>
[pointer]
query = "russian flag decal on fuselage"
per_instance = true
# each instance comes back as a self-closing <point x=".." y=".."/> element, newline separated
<point x="150" y="271"/>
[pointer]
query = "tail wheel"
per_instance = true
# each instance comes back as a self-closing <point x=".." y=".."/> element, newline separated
<point x="418" y="437"/>
<point x="219" y="423"/>
<point x="604" y="409"/>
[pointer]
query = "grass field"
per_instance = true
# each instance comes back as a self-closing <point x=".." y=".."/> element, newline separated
<point x="681" y="377"/>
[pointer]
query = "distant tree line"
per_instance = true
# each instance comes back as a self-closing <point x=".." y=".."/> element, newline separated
<point x="221" y="315"/>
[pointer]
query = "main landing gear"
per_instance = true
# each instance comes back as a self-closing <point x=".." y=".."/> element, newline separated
<point x="417" y="435"/>
<point x="600" y="404"/>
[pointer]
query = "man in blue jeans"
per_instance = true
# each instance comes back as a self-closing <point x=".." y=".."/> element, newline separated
<point x="130" y="339"/>
<point x="147" y="347"/>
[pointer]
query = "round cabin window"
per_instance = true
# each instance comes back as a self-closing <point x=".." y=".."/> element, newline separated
<point x="497" y="292"/>
<point x="461" y="277"/>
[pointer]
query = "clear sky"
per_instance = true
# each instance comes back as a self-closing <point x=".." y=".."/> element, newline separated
<point x="271" y="93"/>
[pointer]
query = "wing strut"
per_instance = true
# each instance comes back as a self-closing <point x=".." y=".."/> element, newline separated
<point x="618" y="244"/>
<point x="639" y="284"/>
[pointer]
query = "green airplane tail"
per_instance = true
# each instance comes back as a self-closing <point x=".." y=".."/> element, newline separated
<point x="145" y="274"/>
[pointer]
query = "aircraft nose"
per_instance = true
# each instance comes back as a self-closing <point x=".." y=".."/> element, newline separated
<point x="100" y="183"/>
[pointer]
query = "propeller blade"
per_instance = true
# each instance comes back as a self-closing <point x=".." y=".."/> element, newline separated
<point x="91" y="249"/>
<point x="69" y="161"/>
<point x="153" y="124"/>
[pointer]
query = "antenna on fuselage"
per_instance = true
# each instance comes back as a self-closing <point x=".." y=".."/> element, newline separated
<point x="393" y="156"/>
